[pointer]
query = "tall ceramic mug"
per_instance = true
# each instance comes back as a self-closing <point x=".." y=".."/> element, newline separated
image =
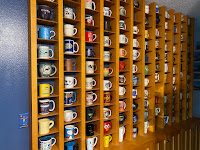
<point x="91" y="143"/>
<point x="121" y="133"/>
<point x="45" y="125"/>
<point x="69" y="13"/>
<point x="90" y="98"/>
<point x="136" y="54"/>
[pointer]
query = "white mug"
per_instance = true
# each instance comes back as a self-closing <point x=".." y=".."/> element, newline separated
<point x="107" y="41"/>
<point x="174" y="88"/>
<point x="106" y="56"/>
<point x="135" y="30"/>
<point x="90" y="67"/>
<point x="165" y="99"/>
<point x="146" y="93"/>
<point x="107" y="11"/>
<point x="157" y="32"/>
<point x="146" y="81"/>
<point x="166" y="25"/>
<point x="174" y="70"/>
<point x="146" y="9"/>
<point x="89" y="83"/>
<point x="89" y="3"/>
<point x="146" y="103"/>
<point x="70" y="82"/>
<point x="174" y="49"/>
<point x="157" y="111"/>
<point x="122" y="131"/>
<point x="135" y="43"/>
<point x="68" y="13"/>
<point x="91" y="143"/>
<point x="122" y="91"/>
<point x="122" y="10"/>
<point x="166" y="67"/>
<point x="135" y="68"/>
<point x="165" y="57"/>
<point x="69" y="115"/>
<point x="70" y="30"/>
<point x="157" y="77"/>
<point x="46" y="142"/>
<point x="136" y="54"/>
<point x="107" y="85"/>
<point x="165" y="47"/>
<point x="167" y="15"/>
<point x="123" y="39"/>
<point x="146" y="126"/>
<point x="43" y="52"/>
<point x="174" y="80"/>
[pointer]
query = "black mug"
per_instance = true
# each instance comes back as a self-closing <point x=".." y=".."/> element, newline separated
<point x="107" y="26"/>
<point x="122" y="118"/>
<point x="90" y="129"/>
<point x="90" y="52"/>
<point x="136" y="3"/>
<point x="89" y="113"/>
<point x="45" y="12"/>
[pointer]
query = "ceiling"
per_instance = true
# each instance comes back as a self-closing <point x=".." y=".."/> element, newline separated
<point x="186" y="7"/>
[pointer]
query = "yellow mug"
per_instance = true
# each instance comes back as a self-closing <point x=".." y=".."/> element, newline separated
<point x="146" y="34"/>
<point x="44" y="90"/>
<point x="45" y="125"/>
<point x="107" y="140"/>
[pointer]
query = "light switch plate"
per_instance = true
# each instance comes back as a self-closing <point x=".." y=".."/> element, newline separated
<point x="23" y="120"/>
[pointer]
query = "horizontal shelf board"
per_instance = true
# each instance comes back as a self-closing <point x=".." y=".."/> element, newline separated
<point x="47" y="2"/>
<point x="74" y="88"/>
<point x="108" y="32"/>
<point x="122" y="17"/>
<point x="136" y="110"/>
<point x="123" y="3"/>
<point x="72" y="105"/>
<point x="124" y="57"/>
<point x="137" y="35"/>
<point x="124" y="124"/>
<point x="90" y="27"/>
<point x="125" y="71"/>
<point x="137" y="9"/>
<point x="124" y="30"/>
<point x="136" y="22"/>
<point x="93" y="120"/>
<point x="95" y="58"/>
<point x="109" y="90"/>
<point x="95" y="104"/>
<point x="109" y="47"/>
<point x="72" y="71"/>
<point x="45" y="78"/>
<point x="46" y="41"/>
<point x="95" y="134"/>
<point x="108" y="104"/>
<point x="53" y="95"/>
<point x="108" y="3"/>
<point x="75" y="137"/>
<point x="110" y="132"/>
<point x="71" y="37"/>
<point x="72" y="54"/>
<point x="147" y="27"/>
<point x="90" y="74"/>
<point x="91" y="11"/>
<point x="109" y="18"/>
<point x="124" y="111"/>
<point x="109" y="76"/>
<point x="46" y="22"/>
<point x="71" y="21"/>
<point x="94" y="89"/>
<point x="123" y="97"/>
<point x="136" y="98"/>
<point x="52" y="131"/>
<point x="123" y="44"/>
<point x="123" y="84"/>
<point x="109" y="61"/>
<point x="47" y="59"/>
<point x="71" y="3"/>
<point x="138" y="122"/>
<point x="148" y="86"/>
<point x="53" y="113"/>
<point x="73" y="121"/>
<point x="91" y="43"/>
<point x="110" y="118"/>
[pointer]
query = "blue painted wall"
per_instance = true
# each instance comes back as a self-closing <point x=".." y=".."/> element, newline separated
<point x="13" y="73"/>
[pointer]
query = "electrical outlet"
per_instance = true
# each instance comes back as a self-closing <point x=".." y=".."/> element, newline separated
<point x="23" y="120"/>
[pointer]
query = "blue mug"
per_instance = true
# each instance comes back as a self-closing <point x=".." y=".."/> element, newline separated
<point x="135" y="105"/>
<point x="157" y="19"/>
<point x="181" y="27"/>
<point x="134" y="93"/>
<point x="70" y="145"/>
<point x="135" y="80"/>
<point x="157" y="9"/>
<point x="145" y="115"/>
<point x="146" y="58"/>
<point x="135" y="117"/>
<point x="70" y="131"/>
<point x="44" y="33"/>
<point x="90" y="52"/>
<point x="71" y="47"/>
<point x="69" y="98"/>
<point x="175" y="29"/>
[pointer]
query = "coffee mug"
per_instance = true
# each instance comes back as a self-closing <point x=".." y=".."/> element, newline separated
<point x="122" y="52"/>
<point x="121" y="133"/>
<point x="146" y="58"/>
<point x="89" y="129"/>
<point x="45" y="12"/>
<point x="167" y="15"/>
<point x="122" y="11"/>
<point x="157" y="19"/>
<point x="166" y="67"/>
<point x="166" y="25"/>
<point x="107" y="11"/>
<point x="165" y="57"/>
<point x="44" y="125"/>
<point x="122" y="91"/>
<point x="136" y="3"/>
<point x="44" y="90"/>
<point x="135" y="80"/>
<point x="46" y="68"/>
<point x="90" y="36"/>
<point x="107" y="25"/>
<point x="157" y="111"/>
<point x="44" y="52"/>
<point x="71" y="145"/>
<point x="69" y="97"/>
<point x="89" y="20"/>
<point x="174" y="88"/>
<point x="107" y="97"/>
<point x="166" y="119"/>
<point x="45" y="33"/>
<point x="134" y="105"/>
<point x="89" y="83"/>
<point x="146" y="82"/>
<point x="122" y="79"/>
<point x="107" y="71"/>
<point x="135" y="118"/>
<point x="70" y="30"/>
<point x="69" y="115"/>
<point x="156" y="100"/>
<point x="134" y="93"/>
<point x="91" y="143"/>
<point x="146" y="104"/>
<point x="71" y="47"/>
<point x="89" y="113"/>
<point x="89" y="4"/>
<point x="146" y="21"/>
<point x="156" y="43"/>
<point x="107" y="85"/>
<point x="90" y="67"/>
<point x="46" y="142"/>
<point x="146" y="115"/>
<point x="174" y="80"/>
<point x="122" y="24"/>
<point x="146" y="69"/>
<point x="122" y="65"/>
<point x="70" y="82"/>
<point x="107" y="55"/>
<point x="135" y="68"/>
<point x="165" y="99"/>
<point x="157" y="67"/>
<point x="123" y="39"/>
<point x="175" y="29"/>
<point x="146" y="45"/>
<point x="107" y="41"/>
<point x="165" y="47"/>
<point x="70" y="131"/>
<point x="107" y="140"/>
<point x="135" y="30"/>
<point x="106" y="113"/>
<point x="157" y="77"/>
<point x="146" y="126"/>
<point x="146" y="93"/>
<point x="157" y="32"/>
<point x="69" y="64"/>
<point x="146" y="9"/>
<point x="90" y="52"/>
<point x="157" y="56"/>
<point x="135" y="131"/>
<point x="107" y="126"/>
<point x="122" y="105"/>
<point x="69" y="13"/>
<point x="146" y="34"/>
<point x="44" y="106"/>
<point x="136" y="54"/>
<point x="135" y="43"/>
<point x="90" y="98"/>
<point x="122" y="118"/>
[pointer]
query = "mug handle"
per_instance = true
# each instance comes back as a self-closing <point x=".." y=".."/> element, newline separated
<point x="52" y="53"/>
<point x="75" y="81"/>
<point x="51" y="124"/>
<point x="126" y="40"/>
<point x="51" y="89"/>
<point x="111" y="71"/>
<point x="52" y="15"/>
<point x="110" y="13"/>
<point x="125" y="53"/>
<point x="95" y="67"/>
<point x="94" y="82"/>
<point x="95" y="143"/>
<point x="124" y="90"/>
<point x="136" y="68"/>
<point x="138" y="30"/>
<point x="53" y="66"/>
<point x="54" y="34"/>
<point x="124" y="105"/>
<point x="110" y="138"/>
<point x="74" y="15"/>
<point x="51" y="101"/>
<point x="75" y="128"/>
<point x="158" y="110"/>
<point x="137" y="44"/>
<point x="109" y="113"/>
<point x="74" y="97"/>
<point x="125" y="26"/>
<point x="73" y="63"/>
<point x="74" y="115"/>
<point x="95" y="97"/>
<point x="94" y="37"/>
<point x="138" y="54"/>
<point x="124" y="130"/>
<point x="124" y="79"/>
<point x="54" y="141"/>
<point x="75" y="31"/>
<point x="93" y="3"/>
<point x="110" y="84"/>
<point x="110" y="43"/>
<point x="76" y="51"/>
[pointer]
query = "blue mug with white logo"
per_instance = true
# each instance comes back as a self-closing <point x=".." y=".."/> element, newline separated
<point x="69" y="97"/>
<point x="71" y="46"/>
<point x="135" y="117"/>
<point x="70" y="131"/>
<point x="146" y="58"/>
<point x="175" y="29"/>
<point x="135" y="80"/>
<point x="45" y="33"/>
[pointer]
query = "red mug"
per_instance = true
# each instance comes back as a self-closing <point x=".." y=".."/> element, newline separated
<point x="90" y="36"/>
<point x="107" y="126"/>
<point x="122" y="65"/>
<point x="156" y="100"/>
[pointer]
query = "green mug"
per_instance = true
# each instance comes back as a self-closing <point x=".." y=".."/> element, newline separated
<point x="146" y="69"/>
